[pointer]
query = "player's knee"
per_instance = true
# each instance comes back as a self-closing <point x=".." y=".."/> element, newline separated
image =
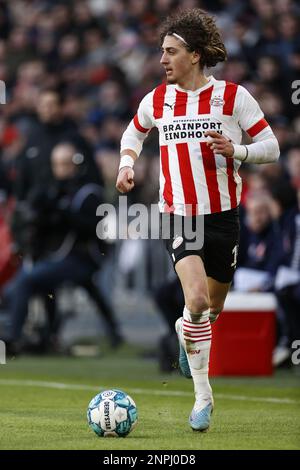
<point x="217" y="309"/>
<point x="197" y="303"/>
<point x="214" y="312"/>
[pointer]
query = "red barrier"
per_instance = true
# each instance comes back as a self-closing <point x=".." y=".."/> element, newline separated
<point x="244" y="336"/>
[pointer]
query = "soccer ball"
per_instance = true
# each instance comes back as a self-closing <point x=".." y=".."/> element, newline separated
<point x="112" y="413"/>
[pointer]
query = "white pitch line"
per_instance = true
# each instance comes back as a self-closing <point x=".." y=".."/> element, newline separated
<point x="140" y="391"/>
<point x="287" y="401"/>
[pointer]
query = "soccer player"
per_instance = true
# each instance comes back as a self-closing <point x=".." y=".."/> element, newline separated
<point x="200" y="122"/>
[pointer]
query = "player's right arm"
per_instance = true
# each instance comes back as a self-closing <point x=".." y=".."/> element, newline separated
<point x="132" y="143"/>
<point x="125" y="177"/>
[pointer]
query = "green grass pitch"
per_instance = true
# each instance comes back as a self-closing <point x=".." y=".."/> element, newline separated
<point x="43" y="405"/>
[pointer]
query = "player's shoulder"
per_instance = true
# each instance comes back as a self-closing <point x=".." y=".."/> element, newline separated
<point x="162" y="89"/>
<point x="157" y="94"/>
<point x="242" y="96"/>
<point x="229" y="85"/>
<point x="148" y="97"/>
<point x="243" y="92"/>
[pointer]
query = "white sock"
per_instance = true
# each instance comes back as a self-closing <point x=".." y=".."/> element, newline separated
<point x="197" y="336"/>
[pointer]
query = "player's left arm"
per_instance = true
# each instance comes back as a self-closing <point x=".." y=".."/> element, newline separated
<point x="264" y="149"/>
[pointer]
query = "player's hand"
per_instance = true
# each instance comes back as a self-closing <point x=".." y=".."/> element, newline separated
<point x="125" y="180"/>
<point x="219" y="144"/>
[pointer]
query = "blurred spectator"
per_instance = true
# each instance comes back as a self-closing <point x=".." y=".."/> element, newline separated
<point x="59" y="222"/>
<point x="259" y="241"/>
<point x="283" y="133"/>
<point x="287" y="285"/>
<point x="108" y="161"/>
<point x="110" y="102"/>
<point x="293" y="166"/>
<point x="283" y="209"/>
<point x="10" y="146"/>
<point x="33" y="166"/>
<point x="19" y="50"/>
<point x="5" y="23"/>
<point x="271" y="104"/>
<point x="288" y="27"/>
<point x="270" y="74"/>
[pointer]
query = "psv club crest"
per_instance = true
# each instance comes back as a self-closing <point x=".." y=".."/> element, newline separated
<point x="217" y="101"/>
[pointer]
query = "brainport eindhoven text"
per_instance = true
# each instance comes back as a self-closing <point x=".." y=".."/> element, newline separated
<point x="190" y="129"/>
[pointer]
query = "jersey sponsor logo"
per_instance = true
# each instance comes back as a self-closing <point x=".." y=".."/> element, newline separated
<point x="190" y="129"/>
<point x="217" y="101"/>
<point x="177" y="242"/>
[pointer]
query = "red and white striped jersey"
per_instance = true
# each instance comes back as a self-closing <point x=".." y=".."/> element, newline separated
<point x="192" y="178"/>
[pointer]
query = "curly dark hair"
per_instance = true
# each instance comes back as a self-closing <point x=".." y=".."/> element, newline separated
<point x="200" y="32"/>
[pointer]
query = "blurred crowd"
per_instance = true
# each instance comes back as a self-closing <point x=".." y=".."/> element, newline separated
<point x="75" y="72"/>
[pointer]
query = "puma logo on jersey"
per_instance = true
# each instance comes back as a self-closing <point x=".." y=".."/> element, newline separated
<point x="171" y="106"/>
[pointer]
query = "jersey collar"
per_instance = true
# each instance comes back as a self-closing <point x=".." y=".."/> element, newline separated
<point x="211" y="80"/>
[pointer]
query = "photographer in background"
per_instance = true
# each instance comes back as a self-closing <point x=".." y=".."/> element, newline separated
<point x="59" y="234"/>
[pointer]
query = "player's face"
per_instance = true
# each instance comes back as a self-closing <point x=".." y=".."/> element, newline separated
<point x="176" y="60"/>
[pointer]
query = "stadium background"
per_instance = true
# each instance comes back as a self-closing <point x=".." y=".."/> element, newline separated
<point x="102" y="57"/>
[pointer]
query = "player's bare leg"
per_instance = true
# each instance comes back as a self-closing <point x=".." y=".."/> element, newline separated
<point x="194" y="332"/>
<point x="217" y="295"/>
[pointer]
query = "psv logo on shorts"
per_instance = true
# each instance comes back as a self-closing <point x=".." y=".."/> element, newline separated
<point x="177" y="242"/>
